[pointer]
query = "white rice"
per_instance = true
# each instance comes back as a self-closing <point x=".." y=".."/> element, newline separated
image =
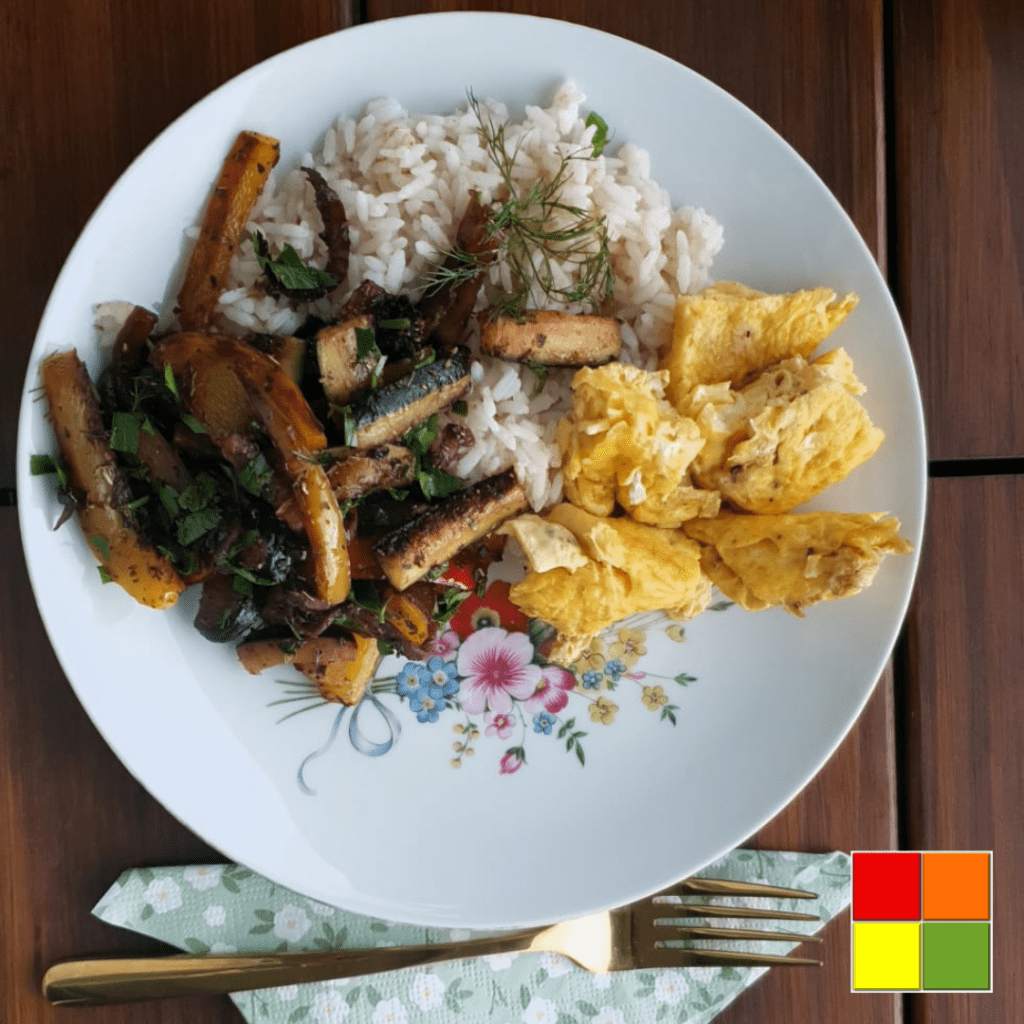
<point x="405" y="180"/>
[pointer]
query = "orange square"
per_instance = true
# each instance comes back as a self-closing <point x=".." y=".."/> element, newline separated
<point x="956" y="886"/>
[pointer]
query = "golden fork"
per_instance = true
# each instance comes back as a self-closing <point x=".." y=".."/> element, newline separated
<point x="638" y="936"/>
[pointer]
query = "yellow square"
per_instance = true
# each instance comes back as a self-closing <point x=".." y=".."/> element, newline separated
<point x="886" y="955"/>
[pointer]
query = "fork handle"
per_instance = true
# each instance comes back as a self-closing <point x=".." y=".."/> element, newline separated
<point x="123" y="980"/>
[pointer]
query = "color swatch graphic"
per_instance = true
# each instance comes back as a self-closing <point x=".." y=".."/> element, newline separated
<point x="921" y="922"/>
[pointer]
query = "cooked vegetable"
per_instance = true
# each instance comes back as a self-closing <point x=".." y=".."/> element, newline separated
<point x="355" y="473"/>
<point x="335" y="233"/>
<point x="99" y="489"/>
<point x="341" y="666"/>
<point x="389" y="412"/>
<point x="242" y="177"/>
<point x="447" y="307"/>
<point x="410" y="552"/>
<point x="553" y="339"/>
<point x="290" y="353"/>
<point x="345" y="370"/>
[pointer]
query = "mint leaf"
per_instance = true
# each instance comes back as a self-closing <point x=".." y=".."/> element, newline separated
<point x="289" y="271"/>
<point x="101" y="545"/>
<point x="40" y="465"/>
<point x="169" y="380"/>
<point x="366" y="343"/>
<point x="436" y="483"/>
<point x="196" y="524"/>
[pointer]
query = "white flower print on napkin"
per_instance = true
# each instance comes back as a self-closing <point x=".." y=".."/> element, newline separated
<point x="163" y="894"/>
<point x="290" y="923"/>
<point x="202" y="877"/>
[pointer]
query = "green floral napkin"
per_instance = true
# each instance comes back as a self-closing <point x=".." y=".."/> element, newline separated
<point x="228" y="909"/>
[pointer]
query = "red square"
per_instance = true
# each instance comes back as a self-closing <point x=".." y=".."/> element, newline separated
<point x="886" y="886"/>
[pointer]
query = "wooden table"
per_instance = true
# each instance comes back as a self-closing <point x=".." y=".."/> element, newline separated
<point x="909" y="110"/>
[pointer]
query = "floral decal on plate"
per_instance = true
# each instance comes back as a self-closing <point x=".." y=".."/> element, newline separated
<point x="489" y="679"/>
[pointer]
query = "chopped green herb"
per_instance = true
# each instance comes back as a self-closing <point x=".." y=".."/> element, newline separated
<point x="196" y="525"/>
<point x="101" y="546"/>
<point x="193" y="424"/>
<point x="401" y="324"/>
<point x="289" y="271"/>
<point x="540" y="371"/>
<point x="366" y="343"/>
<point x="40" y="465"/>
<point x="436" y="483"/>
<point x="460" y="408"/>
<point x="105" y="576"/>
<point x="437" y="572"/>
<point x="255" y="475"/>
<point x="600" y="131"/>
<point x="172" y="384"/>
<point x="448" y="604"/>
<point x="197" y="495"/>
<point x="240" y="585"/>
<point x="124" y="432"/>
<point x="137" y="503"/>
<point x="398" y="494"/>
<point x="384" y="648"/>
<point x="365" y="594"/>
<point x="348" y="426"/>
<point x="420" y="438"/>
<point x="427" y="357"/>
<point x="169" y="499"/>
<point x="147" y="427"/>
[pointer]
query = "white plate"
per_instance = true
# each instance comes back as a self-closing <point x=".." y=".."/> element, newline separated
<point x="404" y="836"/>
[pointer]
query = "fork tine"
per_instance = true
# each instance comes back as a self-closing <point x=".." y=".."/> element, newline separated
<point x="676" y="910"/>
<point x="665" y="957"/>
<point x="726" y="887"/>
<point x="753" y="934"/>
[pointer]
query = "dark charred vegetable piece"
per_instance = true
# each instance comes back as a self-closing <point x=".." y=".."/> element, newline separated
<point x="225" y="616"/>
<point x="390" y="412"/>
<point x="363" y="564"/>
<point x="355" y="473"/>
<point x="410" y="552"/>
<point x="341" y="666"/>
<point x="411" y="612"/>
<point x="343" y="372"/>
<point x="453" y="441"/>
<point x="361" y="301"/>
<point x="447" y="308"/>
<point x="129" y="353"/>
<point x="241" y="180"/>
<point x="552" y="339"/>
<point x="95" y="481"/>
<point x="335" y="232"/>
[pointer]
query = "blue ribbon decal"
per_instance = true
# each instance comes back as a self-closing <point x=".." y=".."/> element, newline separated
<point x="364" y="745"/>
<point x="323" y="750"/>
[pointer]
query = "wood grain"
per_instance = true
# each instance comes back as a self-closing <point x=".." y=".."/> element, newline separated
<point x="84" y="86"/>
<point x="814" y="72"/>
<point x="849" y="805"/>
<point x="958" y="80"/>
<point x="965" y="775"/>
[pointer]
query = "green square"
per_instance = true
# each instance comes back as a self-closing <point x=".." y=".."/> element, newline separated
<point x="957" y="955"/>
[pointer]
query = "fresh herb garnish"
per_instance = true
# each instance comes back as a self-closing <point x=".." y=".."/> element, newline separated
<point x="41" y="465"/>
<point x="448" y="604"/>
<point x="197" y="524"/>
<point x="460" y="408"/>
<point x="255" y="475"/>
<point x="434" y="482"/>
<point x="124" y="432"/>
<point x="193" y="424"/>
<point x="289" y="274"/>
<point x="105" y="576"/>
<point x="172" y="384"/>
<point x="366" y="595"/>
<point x="384" y="648"/>
<point x="533" y="232"/>
<point x="401" y="324"/>
<point x="366" y="343"/>
<point x="101" y="545"/>
<point x="540" y="371"/>
<point x="600" y="137"/>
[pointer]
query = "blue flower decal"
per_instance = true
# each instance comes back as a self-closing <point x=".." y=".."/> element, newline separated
<point x="591" y="680"/>
<point x="427" y="708"/>
<point x="543" y="722"/>
<point x="413" y="678"/>
<point x="442" y="678"/>
<point x="614" y="669"/>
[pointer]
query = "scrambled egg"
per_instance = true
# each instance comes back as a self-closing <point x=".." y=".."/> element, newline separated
<point x="728" y="330"/>
<point x="628" y="568"/>
<point x="624" y="443"/>
<point x="794" y="560"/>
<point x="784" y="437"/>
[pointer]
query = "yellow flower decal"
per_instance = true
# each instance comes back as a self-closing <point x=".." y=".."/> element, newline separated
<point x="591" y="660"/>
<point x="603" y="711"/>
<point x="675" y="632"/>
<point x="630" y="647"/>
<point x="654" y="697"/>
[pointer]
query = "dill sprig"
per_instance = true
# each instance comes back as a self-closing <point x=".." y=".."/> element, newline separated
<point x="533" y="232"/>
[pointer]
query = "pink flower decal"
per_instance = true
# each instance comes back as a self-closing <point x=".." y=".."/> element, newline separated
<point x="496" y="668"/>
<point x="499" y="725"/>
<point x="552" y="692"/>
<point x="444" y="645"/>
<point x="511" y="761"/>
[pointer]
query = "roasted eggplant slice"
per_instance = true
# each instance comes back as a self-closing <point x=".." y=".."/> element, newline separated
<point x="335" y="233"/>
<point x="410" y="552"/>
<point x="390" y="412"/>
<point x="552" y="338"/>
